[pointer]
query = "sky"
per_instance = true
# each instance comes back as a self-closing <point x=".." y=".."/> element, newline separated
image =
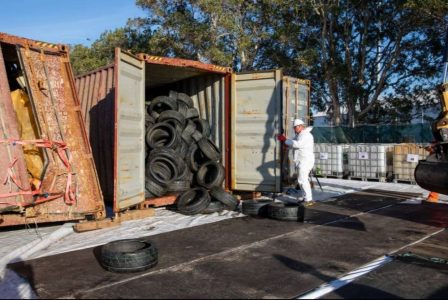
<point x="65" y="21"/>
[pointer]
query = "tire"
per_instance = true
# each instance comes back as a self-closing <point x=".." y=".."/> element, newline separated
<point x="169" y="154"/>
<point x="127" y="256"/>
<point x="161" y="104"/>
<point x="192" y="113"/>
<point x="225" y="198"/>
<point x="286" y="211"/>
<point x="179" y="186"/>
<point x="185" y="99"/>
<point x="211" y="174"/>
<point x="162" y="170"/>
<point x="197" y="136"/>
<point x="171" y="116"/>
<point x="202" y="126"/>
<point x="213" y="207"/>
<point x="209" y="149"/>
<point x="256" y="208"/>
<point x="195" y="158"/>
<point x="182" y="108"/>
<point x="188" y="131"/>
<point x="162" y="135"/>
<point x="154" y="188"/>
<point x="193" y="201"/>
<point x="182" y="149"/>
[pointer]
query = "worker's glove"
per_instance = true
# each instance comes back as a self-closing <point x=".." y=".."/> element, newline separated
<point x="281" y="138"/>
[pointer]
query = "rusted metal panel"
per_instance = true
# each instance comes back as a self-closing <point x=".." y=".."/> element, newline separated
<point x="129" y="140"/>
<point x="256" y="120"/>
<point x="184" y="63"/>
<point x="52" y="91"/>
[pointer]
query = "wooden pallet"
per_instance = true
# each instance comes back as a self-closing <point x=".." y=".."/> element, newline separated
<point x="129" y="215"/>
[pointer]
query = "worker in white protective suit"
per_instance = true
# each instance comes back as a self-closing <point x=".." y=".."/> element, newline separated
<point x="303" y="147"/>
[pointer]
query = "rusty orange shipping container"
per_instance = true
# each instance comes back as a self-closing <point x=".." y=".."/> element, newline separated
<point x="47" y="171"/>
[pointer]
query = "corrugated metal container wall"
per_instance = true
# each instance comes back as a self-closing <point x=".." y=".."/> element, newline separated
<point x="206" y="86"/>
<point x="67" y="185"/>
<point x="96" y="94"/>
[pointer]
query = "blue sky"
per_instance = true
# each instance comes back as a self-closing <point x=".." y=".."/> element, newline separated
<point x="65" y="21"/>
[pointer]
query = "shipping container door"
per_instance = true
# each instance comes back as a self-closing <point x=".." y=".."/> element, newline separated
<point x="296" y="99"/>
<point x="256" y="120"/>
<point x="129" y="179"/>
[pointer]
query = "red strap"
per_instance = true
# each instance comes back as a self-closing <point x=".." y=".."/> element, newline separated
<point x="59" y="147"/>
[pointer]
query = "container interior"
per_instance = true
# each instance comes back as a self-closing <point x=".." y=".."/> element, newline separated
<point x="25" y="114"/>
<point x="204" y="87"/>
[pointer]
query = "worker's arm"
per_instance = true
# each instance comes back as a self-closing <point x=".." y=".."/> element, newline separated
<point x="300" y="144"/>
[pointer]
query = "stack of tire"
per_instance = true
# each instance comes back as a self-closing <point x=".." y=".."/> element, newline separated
<point x="274" y="210"/>
<point x="181" y="158"/>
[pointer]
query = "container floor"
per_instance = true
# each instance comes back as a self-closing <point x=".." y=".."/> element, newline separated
<point x="248" y="257"/>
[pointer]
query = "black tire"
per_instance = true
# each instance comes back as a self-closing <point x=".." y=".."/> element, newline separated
<point x="162" y="170"/>
<point x="188" y="131"/>
<point x="182" y="149"/>
<point x="172" y="94"/>
<point x="154" y="188"/>
<point x="197" y="136"/>
<point x="211" y="174"/>
<point x="192" y="113"/>
<point x="182" y="108"/>
<point x="162" y="135"/>
<point x="195" y="158"/>
<point x="193" y="201"/>
<point x="160" y="104"/>
<point x="202" y="126"/>
<point x="286" y="211"/>
<point x="127" y="256"/>
<point x="179" y="186"/>
<point x="256" y="208"/>
<point x="185" y="99"/>
<point x="213" y="207"/>
<point x="169" y="154"/>
<point x="225" y="198"/>
<point x="171" y="116"/>
<point x="209" y="149"/>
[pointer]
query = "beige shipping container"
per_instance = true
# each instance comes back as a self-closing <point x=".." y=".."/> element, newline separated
<point x="406" y="157"/>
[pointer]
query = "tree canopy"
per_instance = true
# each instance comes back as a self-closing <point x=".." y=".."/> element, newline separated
<point x="374" y="60"/>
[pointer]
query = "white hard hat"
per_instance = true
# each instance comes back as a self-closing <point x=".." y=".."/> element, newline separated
<point x="298" y="122"/>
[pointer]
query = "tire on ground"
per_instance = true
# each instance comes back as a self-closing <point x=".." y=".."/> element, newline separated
<point x="225" y="198"/>
<point x="193" y="201"/>
<point x="256" y="208"/>
<point x="126" y="256"/>
<point x="286" y="211"/>
<point x="214" y="206"/>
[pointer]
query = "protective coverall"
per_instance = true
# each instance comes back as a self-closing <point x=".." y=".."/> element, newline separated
<point x="303" y="147"/>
